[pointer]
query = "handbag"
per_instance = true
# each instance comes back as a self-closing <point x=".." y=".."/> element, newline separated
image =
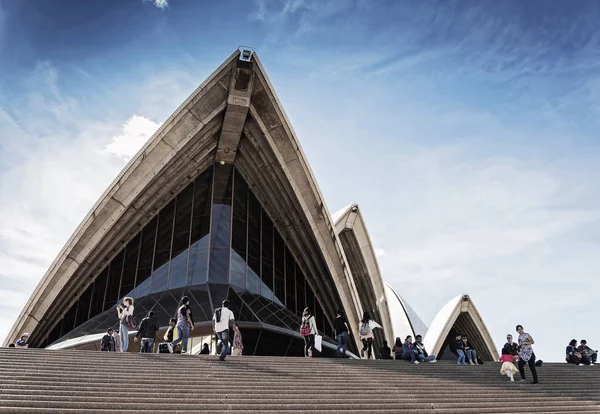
<point x="318" y="342"/>
<point x="130" y="322"/>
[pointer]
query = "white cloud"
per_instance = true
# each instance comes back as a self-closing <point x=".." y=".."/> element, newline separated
<point x="136" y="131"/>
<point x="161" y="4"/>
<point x="379" y="252"/>
<point x="56" y="161"/>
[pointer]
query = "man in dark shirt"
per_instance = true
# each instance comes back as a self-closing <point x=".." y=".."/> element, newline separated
<point x="584" y="349"/>
<point x="147" y="333"/>
<point x="341" y="331"/>
<point x="512" y="347"/>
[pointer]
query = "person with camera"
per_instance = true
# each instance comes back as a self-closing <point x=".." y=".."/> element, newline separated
<point x="584" y="349"/>
<point x="125" y="314"/>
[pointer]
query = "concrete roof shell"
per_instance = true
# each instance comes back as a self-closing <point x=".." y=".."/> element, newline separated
<point x="185" y="145"/>
<point x="445" y="320"/>
<point x="360" y="254"/>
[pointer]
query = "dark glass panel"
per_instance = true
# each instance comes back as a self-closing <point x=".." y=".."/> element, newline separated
<point x="162" y="253"/>
<point x="143" y="280"/>
<point x="319" y="316"/>
<point x="275" y="344"/>
<point x="290" y="281"/>
<point x="83" y="306"/>
<point x="220" y="230"/>
<point x="222" y="184"/>
<point x="238" y="270"/>
<point x="218" y="293"/>
<point x="114" y="281"/>
<point x="69" y="320"/>
<point x="132" y="251"/>
<point x="202" y="207"/>
<point x="240" y="213"/>
<point x="97" y="300"/>
<point x="253" y="281"/>
<point x="199" y="294"/>
<point x="300" y="291"/>
<point x="310" y="299"/>
<point x="267" y="255"/>
<point x="279" y="264"/>
<point x="239" y="233"/>
<point x="198" y="261"/>
<point x="254" y="213"/>
<point x="54" y="333"/>
<point x="220" y="241"/>
<point x="198" y="267"/>
<point x="181" y="238"/>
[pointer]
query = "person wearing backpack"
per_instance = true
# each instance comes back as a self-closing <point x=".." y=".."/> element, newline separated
<point x="308" y="330"/>
<point x="107" y="343"/>
<point x="221" y="319"/>
<point x="125" y="314"/>
<point x="185" y="323"/>
<point x="147" y="333"/>
<point x="365" y="330"/>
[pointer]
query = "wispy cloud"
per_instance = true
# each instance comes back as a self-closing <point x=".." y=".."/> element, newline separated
<point x="161" y="4"/>
<point x="55" y="162"/>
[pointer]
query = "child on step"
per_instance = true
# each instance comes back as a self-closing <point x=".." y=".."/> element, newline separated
<point x="508" y="368"/>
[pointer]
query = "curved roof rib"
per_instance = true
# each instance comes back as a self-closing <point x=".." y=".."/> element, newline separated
<point x="352" y="231"/>
<point x="461" y="316"/>
<point x="235" y="117"/>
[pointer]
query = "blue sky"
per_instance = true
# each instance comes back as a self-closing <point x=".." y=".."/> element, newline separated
<point x="465" y="130"/>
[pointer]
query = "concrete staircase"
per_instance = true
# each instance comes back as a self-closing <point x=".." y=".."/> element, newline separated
<point x="41" y="381"/>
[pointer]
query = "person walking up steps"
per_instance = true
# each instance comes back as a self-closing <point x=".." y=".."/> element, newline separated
<point x="526" y="355"/>
<point x="238" y="346"/>
<point x="365" y="330"/>
<point x="221" y="320"/>
<point x="508" y="366"/>
<point x="308" y="330"/>
<point x="147" y="333"/>
<point x="185" y="323"/>
<point x="341" y="332"/>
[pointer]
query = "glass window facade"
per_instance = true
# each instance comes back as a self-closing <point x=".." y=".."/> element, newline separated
<point x="212" y="241"/>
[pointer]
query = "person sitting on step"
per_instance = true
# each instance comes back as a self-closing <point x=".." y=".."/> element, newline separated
<point x="22" y="342"/>
<point x="512" y="347"/>
<point x="420" y="352"/>
<point x="107" y="343"/>
<point x="470" y="352"/>
<point x="574" y="356"/>
<point x="385" y="352"/>
<point x="408" y="351"/>
<point x="460" y="350"/>
<point x="397" y="349"/>
<point x="584" y="349"/>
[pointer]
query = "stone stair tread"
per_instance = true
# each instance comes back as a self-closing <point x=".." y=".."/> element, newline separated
<point x="41" y="381"/>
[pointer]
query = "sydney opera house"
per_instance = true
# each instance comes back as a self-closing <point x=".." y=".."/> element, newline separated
<point x="221" y="203"/>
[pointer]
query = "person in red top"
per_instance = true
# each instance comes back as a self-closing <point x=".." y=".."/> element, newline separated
<point x="508" y="367"/>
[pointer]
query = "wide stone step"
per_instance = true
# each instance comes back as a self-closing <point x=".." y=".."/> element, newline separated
<point x="39" y="381"/>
